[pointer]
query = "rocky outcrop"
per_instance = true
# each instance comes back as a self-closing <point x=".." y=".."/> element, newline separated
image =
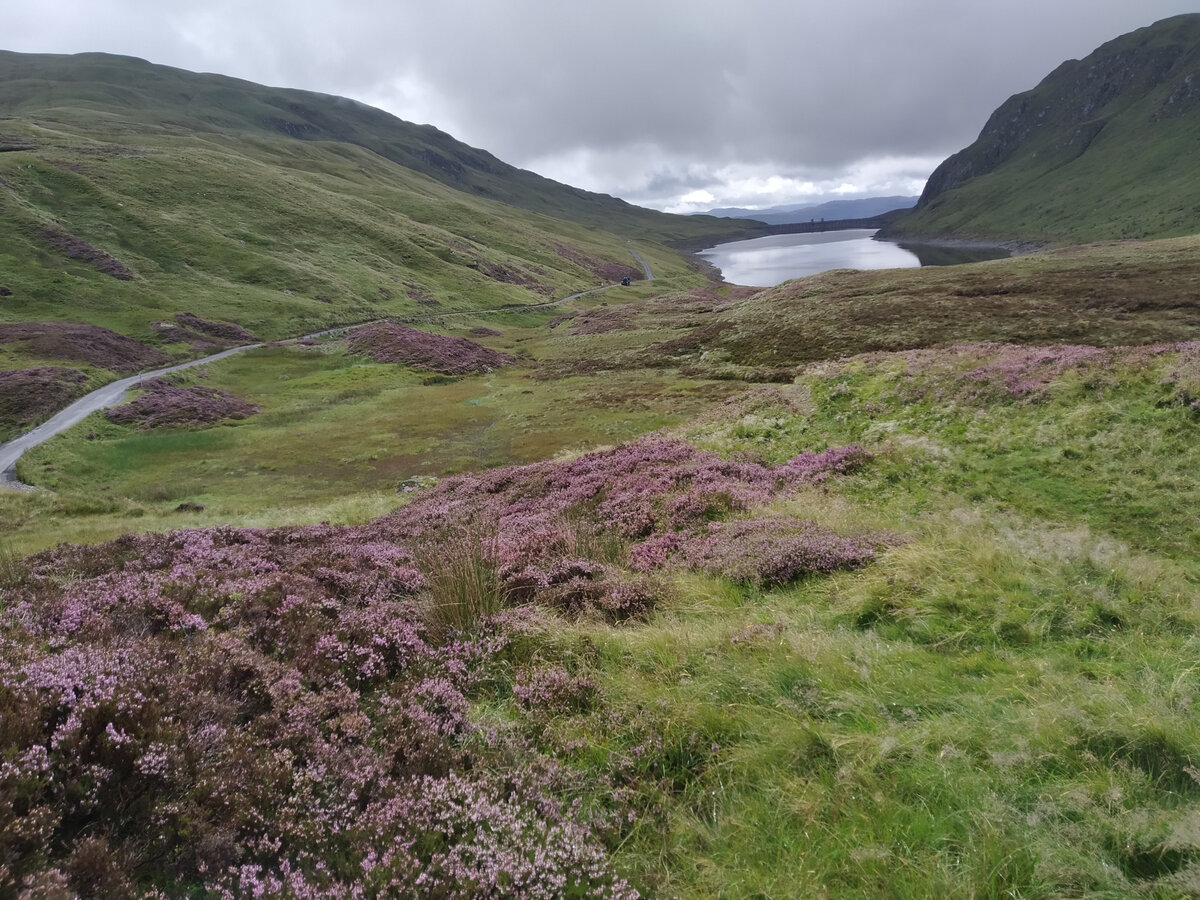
<point x="1122" y="93"/>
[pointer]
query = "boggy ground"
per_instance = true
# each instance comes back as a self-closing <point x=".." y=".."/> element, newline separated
<point x="949" y="654"/>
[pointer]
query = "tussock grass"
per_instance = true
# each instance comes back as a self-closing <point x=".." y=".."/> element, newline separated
<point x="13" y="570"/>
<point x="462" y="579"/>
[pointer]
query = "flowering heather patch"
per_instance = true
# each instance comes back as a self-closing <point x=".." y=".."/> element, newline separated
<point x="549" y="516"/>
<point x="239" y="712"/>
<point x="83" y="343"/>
<point x="392" y="343"/>
<point x="162" y="403"/>
<point x="553" y="690"/>
<point x="227" y="332"/>
<point x="1021" y="372"/>
<point x="991" y="372"/>
<point x="631" y="490"/>
<point x="30" y="395"/>
<point x="812" y="467"/>
<point x="774" y="550"/>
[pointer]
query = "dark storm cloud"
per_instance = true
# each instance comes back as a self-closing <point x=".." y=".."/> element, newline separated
<point x="654" y="100"/>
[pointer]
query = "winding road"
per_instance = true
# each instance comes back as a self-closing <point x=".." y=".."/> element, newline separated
<point x="114" y="392"/>
<point x="101" y="398"/>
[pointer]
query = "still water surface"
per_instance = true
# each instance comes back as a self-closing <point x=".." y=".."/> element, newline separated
<point x="767" y="261"/>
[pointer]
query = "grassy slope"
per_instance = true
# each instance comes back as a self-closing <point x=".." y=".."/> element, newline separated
<point x="279" y="237"/>
<point x="1003" y="705"/>
<point x="281" y="211"/>
<point x="1102" y="149"/>
<point x="97" y="89"/>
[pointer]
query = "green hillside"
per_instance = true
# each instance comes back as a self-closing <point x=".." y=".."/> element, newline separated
<point x="122" y="95"/>
<point x="132" y="194"/>
<point x="1105" y="147"/>
<point x="279" y="210"/>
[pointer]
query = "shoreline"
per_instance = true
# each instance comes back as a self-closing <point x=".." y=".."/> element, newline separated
<point x="1014" y="246"/>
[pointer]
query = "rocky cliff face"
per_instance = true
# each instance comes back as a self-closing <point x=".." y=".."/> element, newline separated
<point x="1135" y="85"/>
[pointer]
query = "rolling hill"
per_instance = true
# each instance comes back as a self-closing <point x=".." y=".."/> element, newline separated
<point x="1104" y="147"/>
<point x="133" y="194"/>
<point x="119" y="94"/>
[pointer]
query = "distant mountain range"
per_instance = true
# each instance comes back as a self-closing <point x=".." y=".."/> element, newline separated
<point x="1104" y="147"/>
<point x="862" y="208"/>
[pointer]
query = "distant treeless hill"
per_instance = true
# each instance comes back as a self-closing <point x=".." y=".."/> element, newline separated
<point x="1104" y="147"/>
<point x="858" y="208"/>
<point x="133" y="193"/>
<point x="103" y="90"/>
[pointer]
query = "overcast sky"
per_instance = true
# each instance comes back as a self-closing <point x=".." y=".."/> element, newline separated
<point x="675" y="104"/>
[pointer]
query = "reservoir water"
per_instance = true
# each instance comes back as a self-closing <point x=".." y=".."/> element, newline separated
<point x="767" y="261"/>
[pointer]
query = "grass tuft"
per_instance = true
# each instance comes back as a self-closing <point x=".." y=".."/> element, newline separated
<point x="461" y="571"/>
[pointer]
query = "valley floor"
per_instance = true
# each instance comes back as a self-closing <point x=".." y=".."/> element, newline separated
<point x="915" y="618"/>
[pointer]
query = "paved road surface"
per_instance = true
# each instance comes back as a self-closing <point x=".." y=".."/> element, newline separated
<point x="101" y="398"/>
<point x="645" y="265"/>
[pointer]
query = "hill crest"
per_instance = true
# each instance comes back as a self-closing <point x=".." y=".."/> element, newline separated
<point x="1101" y="148"/>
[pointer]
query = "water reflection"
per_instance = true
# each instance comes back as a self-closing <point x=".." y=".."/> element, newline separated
<point x="930" y="255"/>
<point x="767" y="261"/>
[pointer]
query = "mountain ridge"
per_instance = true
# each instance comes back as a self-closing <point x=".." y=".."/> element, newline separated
<point x="1099" y="149"/>
<point x="171" y="99"/>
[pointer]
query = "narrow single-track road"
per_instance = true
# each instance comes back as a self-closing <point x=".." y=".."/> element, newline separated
<point x="113" y="392"/>
<point x="101" y="398"/>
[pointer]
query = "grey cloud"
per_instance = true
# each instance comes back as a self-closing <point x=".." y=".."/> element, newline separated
<point x="678" y="89"/>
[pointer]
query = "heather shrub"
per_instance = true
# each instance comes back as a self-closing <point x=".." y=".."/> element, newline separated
<point x="291" y="712"/>
<point x="563" y="529"/>
<point x="553" y="690"/>
<point x="83" y="343"/>
<point x="228" y="332"/>
<point x="455" y="837"/>
<point x="28" y="395"/>
<point x="580" y="588"/>
<point x="162" y="403"/>
<point x="212" y="711"/>
<point x="389" y="342"/>
<point x="765" y="551"/>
